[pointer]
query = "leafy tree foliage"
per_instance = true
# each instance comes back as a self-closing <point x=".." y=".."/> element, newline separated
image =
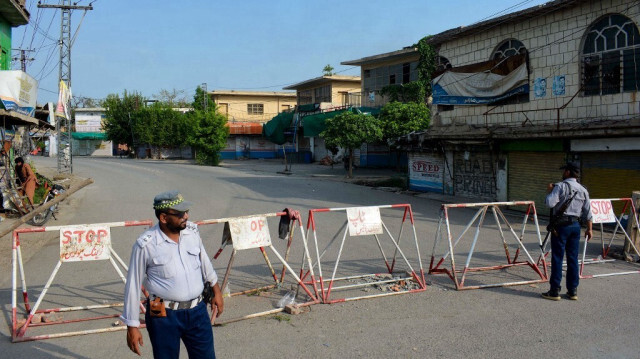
<point x="129" y="121"/>
<point x="210" y="132"/>
<point x="120" y="117"/>
<point x="328" y="70"/>
<point x="398" y="119"/>
<point x="349" y="131"/>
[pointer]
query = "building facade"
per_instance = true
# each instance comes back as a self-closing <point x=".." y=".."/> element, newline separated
<point x="528" y="91"/>
<point x="246" y="112"/>
<point x="328" y="93"/>
<point x="378" y="71"/>
<point x="89" y="138"/>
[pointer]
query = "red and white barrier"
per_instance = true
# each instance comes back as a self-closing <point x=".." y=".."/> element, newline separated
<point x="78" y="243"/>
<point x="458" y="276"/>
<point x="358" y="222"/>
<point x="252" y="232"/>
<point x="603" y="212"/>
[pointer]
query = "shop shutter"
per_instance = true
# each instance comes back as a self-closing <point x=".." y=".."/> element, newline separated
<point x="529" y="173"/>
<point x="474" y="176"/>
<point x="611" y="174"/>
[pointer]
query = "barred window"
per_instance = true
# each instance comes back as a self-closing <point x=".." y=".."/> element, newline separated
<point x="611" y="56"/>
<point x="509" y="48"/>
<point x="255" y="109"/>
<point x="322" y="94"/>
<point x="304" y="97"/>
<point x="442" y="63"/>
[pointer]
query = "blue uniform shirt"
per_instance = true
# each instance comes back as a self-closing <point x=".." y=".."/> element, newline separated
<point x="174" y="271"/>
<point x="579" y="207"/>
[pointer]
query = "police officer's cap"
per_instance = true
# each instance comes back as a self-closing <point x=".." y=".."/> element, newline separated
<point x="171" y="200"/>
<point x="572" y="166"/>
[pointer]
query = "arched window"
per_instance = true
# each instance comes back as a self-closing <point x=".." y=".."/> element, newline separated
<point x="611" y="56"/>
<point x="509" y="48"/>
<point x="442" y="63"/>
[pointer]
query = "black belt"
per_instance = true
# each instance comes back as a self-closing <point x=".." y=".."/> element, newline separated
<point x="567" y="220"/>
<point x="187" y="304"/>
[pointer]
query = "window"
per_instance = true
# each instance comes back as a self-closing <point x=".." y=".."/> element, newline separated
<point x="304" y="97"/>
<point x="509" y="48"/>
<point x="611" y="56"/>
<point x="322" y="94"/>
<point x="442" y="63"/>
<point x="367" y="74"/>
<point x="406" y="73"/>
<point x="255" y="109"/>
<point x="392" y="79"/>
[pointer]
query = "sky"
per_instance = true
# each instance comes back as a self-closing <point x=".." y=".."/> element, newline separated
<point x="148" y="46"/>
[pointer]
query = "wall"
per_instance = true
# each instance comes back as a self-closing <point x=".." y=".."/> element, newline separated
<point x="5" y="45"/>
<point x="237" y="106"/>
<point x="89" y="121"/>
<point x="554" y="42"/>
<point x="370" y="84"/>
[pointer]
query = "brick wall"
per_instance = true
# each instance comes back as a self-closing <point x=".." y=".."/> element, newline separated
<point x="554" y="41"/>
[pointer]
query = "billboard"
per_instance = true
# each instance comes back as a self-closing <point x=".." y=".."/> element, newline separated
<point x="18" y="92"/>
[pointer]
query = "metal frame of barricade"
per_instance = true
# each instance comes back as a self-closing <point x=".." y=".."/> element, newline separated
<point x="18" y="334"/>
<point x="312" y="293"/>
<point x="435" y="267"/>
<point x="326" y="291"/>
<point x="628" y="208"/>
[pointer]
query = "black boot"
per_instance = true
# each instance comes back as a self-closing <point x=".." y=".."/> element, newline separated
<point x="552" y="294"/>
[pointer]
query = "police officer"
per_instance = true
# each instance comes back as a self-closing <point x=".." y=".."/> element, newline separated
<point x="565" y="234"/>
<point x="176" y="265"/>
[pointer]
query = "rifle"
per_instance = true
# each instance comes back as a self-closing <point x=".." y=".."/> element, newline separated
<point x="553" y="219"/>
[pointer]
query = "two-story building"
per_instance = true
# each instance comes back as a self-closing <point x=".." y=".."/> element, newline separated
<point x="526" y="92"/>
<point x="317" y="99"/>
<point x="246" y="112"/>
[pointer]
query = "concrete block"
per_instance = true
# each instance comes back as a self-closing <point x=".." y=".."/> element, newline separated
<point x="292" y="309"/>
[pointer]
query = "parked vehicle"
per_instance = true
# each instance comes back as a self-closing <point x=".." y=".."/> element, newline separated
<point x="41" y="218"/>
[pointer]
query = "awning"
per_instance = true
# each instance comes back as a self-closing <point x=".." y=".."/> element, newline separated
<point x="245" y="128"/>
<point x="274" y="129"/>
<point x="14" y="118"/>
<point x="89" y="136"/>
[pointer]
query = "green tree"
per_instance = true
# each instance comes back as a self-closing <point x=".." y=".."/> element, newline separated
<point x="209" y="130"/>
<point x="398" y="119"/>
<point x="328" y="70"/>
<point x="349" y="131"/>
<point x="121" y="117"/>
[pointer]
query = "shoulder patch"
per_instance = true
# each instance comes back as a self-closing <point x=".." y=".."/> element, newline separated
<point x="144" y="240"/>
<point x="192" y="226"/>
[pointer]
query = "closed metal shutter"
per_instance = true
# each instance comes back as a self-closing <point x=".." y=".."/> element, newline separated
<point x="611" y="174"/>
<point x="529" y="173"/>
<point x="474" y="176"/>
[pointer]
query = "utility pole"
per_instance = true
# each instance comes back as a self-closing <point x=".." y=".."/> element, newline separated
<point x="206" y="96"/>
<point x="65" y="162"/>
<point x="23" y="59"/>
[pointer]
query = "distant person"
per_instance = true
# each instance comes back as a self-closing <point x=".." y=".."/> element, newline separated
<point x="178" y="275"/>
<point x="26" y="179"/>
<point x="570" y="205"/>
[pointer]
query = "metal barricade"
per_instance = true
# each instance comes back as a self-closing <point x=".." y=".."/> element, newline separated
<point x="603" y="213"/>
<point x="252" y="232"/>
<point x="444" y="233"/>
<point x="366" y="221"/>
<point x="78" y="243"/>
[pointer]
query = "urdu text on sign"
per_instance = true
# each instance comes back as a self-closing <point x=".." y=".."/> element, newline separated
<point x="84" y="243"/>
<point x="251" y="232"/>
<point x="364" y="221"/>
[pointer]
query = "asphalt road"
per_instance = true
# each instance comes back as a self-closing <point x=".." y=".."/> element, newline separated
<point x="439" y="322"/>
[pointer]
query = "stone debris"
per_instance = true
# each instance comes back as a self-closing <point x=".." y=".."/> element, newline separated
<point x="376" y="282"/>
